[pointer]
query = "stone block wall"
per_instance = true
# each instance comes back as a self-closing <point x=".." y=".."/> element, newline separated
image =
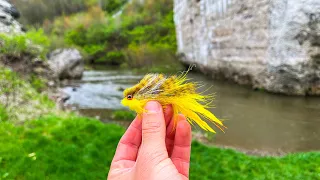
<point x="269" y="44"/>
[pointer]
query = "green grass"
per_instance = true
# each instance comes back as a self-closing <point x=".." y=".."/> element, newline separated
<point x="81" y="148"/>
<point x="216" y="163"/>
<point x="34" y="42"/>
<point x="123" y="115"/>
<point x="56" y="148"/>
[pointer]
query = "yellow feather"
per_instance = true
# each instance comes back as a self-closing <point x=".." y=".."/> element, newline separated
<point x="174" y="90"/>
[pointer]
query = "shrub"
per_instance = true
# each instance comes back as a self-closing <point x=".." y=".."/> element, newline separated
<point x="111" y="6"/>
<point x="112" y="57"/>
<point x="38" y="83"/>
<point x="152" y="58"/>
<point x="142" y="36"/>
<point x="13" y="45"/>
<point x="34" y="42"/>
<point x="141" y="55"/>
<point x="35" y="12"/>
<point x="38" y="37"/>
<point x="3" y="114"/>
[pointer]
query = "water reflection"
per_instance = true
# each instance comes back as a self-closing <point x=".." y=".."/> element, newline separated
<point x="255" y="120"/>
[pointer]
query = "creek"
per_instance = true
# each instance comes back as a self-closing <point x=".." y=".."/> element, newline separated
<point x="256" y="121"/>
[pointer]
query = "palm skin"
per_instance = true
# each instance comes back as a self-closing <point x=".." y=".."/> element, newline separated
<point x="151" y="149"/>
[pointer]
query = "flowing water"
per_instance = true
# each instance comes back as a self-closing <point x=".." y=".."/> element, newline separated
<point x="256" y="121"/>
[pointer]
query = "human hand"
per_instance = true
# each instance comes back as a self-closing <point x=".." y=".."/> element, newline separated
<point x="151" y="150"/>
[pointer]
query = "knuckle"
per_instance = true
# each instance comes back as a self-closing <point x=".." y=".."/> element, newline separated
<point x="155" y="156"/>
<point x="151" y="127"/>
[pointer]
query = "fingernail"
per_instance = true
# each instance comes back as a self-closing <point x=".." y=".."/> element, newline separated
<point x="153" y="107"/>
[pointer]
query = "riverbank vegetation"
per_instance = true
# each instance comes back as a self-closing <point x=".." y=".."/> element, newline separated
<point x="25" y="54"/>
<point x="48" y="9"/>
<point x="20" y="99"/>
<point x="34" y="42"/>
<point x="128" y="35"/>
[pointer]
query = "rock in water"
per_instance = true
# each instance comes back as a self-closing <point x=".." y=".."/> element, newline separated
<point x="8" y="16"/>
<point x="269" y="44"/>
<point x="66" y="63"/>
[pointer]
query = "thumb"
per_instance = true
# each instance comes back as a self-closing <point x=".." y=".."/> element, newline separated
<point x="153" y="127"/>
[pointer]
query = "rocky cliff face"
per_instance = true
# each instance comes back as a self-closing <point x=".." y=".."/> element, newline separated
<point x="8" y="15"/>
<point x="272" y="45"/>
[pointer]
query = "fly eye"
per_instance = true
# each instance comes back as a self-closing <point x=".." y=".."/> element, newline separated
<point x="129" y="97"/>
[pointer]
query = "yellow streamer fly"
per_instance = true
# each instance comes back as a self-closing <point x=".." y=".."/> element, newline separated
<point x="174" y="90"/>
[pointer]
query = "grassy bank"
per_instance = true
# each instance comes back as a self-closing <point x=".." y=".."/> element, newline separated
<point x="56" y="148"/>
<point x="80" y="148"/>
<point x="24" y="75"/>
<point x="20" y="100"/>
